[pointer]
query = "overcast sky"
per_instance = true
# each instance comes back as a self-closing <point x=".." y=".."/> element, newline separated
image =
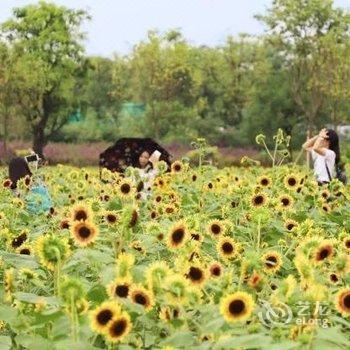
<point x="117" y="25"/>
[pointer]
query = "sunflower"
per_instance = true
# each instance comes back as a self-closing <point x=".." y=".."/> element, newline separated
<point x="125" y="188"/>
<point x="291" y="181"/>
<point x="227" y="248"/>
<point x="254" y="280"/>
<point x="119" y="328"/>
<point x="325" y="194"/>
<point x="65" y="224"/>
<point x="197" y="237"/>
<point x="110" y="217"/>
<point x="272" y="261"/>
<point x="103" y="315"/>
<point x="215" y="269"/>
<point x="196" y="275"/>
<point x="290" y="224"/>
<point x="7" y="183"/>
<point x="177" y="235"/>
<point x="119" y="288"/>
<point x="168" y="313"/>
<point x="237" y="306"/>
<point x="215" y="228"/>
<point x="326" y="207"/>
<point x="258" y="200"/>
<point x="177" y="167"/>
<point x="285" y="201"/>
<point x="346" y="242"/>
<point x="142" y="296"/>
<point x="51" y="250"/>
<point x="324" y="251"/>
<point x="264" y="181"/>
<point x="84" y="233"/>
<point x="81" y="212"/>
<point x="342" y="301"/>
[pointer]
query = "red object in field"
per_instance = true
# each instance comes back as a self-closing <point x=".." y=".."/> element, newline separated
<point x="126" y="151"/>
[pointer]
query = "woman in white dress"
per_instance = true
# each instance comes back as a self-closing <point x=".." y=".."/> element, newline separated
<point x="147" y="168"/>
<point x="325" y="152"/>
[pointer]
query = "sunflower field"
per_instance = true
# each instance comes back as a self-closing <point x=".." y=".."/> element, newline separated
<point x="233" y="258"/>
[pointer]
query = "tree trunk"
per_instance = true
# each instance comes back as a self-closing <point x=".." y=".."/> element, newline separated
<point x="39" y="141"/>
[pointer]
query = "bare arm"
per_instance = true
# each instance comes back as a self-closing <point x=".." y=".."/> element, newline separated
<point x="310" y="142"/>
<point x="318" y="145"/>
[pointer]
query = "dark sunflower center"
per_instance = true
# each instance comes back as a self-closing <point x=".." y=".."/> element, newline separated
<point x="118" y="328"/>
<point x="194" y="177"/>
<point x="195" y="236"/>
<point x="347" y="301"/>
<point x="324" y="253"/>
<point x="104" y="316"/>
<point x="65" y="225"/>
<point x="140" y="299"/>
<point x="347" y="243"/>
<point x="111" y="218"/>
<point x="271" y="261"/>
<point x="125" y="188"/>
<point x="233" y="204"/>
<point x="210" y="185"/>
<point x="158" y="199"/>
<point x="178" y="235"/>
<point x="160" y="237"/>
<point x="25" y="251"/>
<point x="216" y="271"/>
<point x="169" y="210"/>
<point x="177" y="167"/>
<point x="334" y="277"/>
<point x="258" y="200"/>
<point x="195" y="274"/>
<point x="264" y="182"/>
<point x="290" y="227"/>
<point x="216" y="229"/>
<point x="122" y="290"/>
<point x="236" y="307"/>
<point x="292" y="181"/>
<point x="81" y="215"/>
<point x="227" y="248"/>
<point x="84" y="232"/>
<point x="285" y="201"/>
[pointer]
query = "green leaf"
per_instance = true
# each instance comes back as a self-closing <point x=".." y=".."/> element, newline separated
<point x="244" y="341"/>
<point x="5" y="342"/>
<point x="7" y="313"/>
<point x="213" y="326"/>
<point x="180" y="339"/>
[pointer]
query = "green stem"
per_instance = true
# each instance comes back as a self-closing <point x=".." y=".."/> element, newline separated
<point x="267" y="150"/>
<point x="274" y="154"/>
<point x="259" y="236"/>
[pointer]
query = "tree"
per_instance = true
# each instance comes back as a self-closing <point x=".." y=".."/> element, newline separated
<point x="48" y="59"/>
<point x="298" y="28"/>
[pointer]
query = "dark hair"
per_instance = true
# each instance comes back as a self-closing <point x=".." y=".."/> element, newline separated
<point x="18" y="169"/>
<point x="334" y="144"/>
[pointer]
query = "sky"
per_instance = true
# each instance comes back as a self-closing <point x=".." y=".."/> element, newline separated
<point x="117" y="25"/>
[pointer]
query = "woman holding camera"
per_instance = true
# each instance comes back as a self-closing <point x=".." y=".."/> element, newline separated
<point x="325" y="152"/>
